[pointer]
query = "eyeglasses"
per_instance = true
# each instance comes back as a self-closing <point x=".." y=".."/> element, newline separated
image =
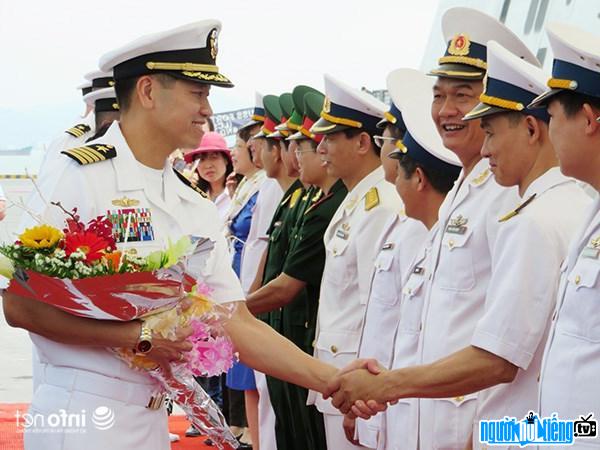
<point x="380" y="140"/>
<point x="298" y="152"/>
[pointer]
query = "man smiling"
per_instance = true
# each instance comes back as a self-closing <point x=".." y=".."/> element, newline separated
<point x="163" y="82"/>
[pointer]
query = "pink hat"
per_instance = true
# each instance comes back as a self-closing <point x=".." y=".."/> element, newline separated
<point x="211" y="142"/>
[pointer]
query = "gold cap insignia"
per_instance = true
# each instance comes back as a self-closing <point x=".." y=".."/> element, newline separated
<point x="125" y="202"/>
<point x="326" y="105"/>
<point x="214" y="46"/>
<point x="459" y="45"/>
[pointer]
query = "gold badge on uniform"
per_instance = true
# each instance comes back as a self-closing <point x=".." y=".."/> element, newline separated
<point x="592" y="250"/>
<point x="457" y="225"/>
<point x="125" y="202"/>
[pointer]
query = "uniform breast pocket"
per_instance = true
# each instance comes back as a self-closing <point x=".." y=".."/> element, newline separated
<point x="338" y="347"/>
<point x="453" y="421"/>
<point x="582" y="302"/>
<point x="457" y="273"/>
<point x="383" y="289"/>
<point x="339" y="262"/>
<point x="412" y="304"/>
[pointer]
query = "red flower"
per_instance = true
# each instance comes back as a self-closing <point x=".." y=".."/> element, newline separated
<point x="89" y="243"/>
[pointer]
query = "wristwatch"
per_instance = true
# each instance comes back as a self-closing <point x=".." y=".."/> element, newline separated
<point x="144" y="343"/>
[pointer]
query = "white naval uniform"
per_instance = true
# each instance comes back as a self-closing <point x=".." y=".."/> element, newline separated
<point x="349" y="261"/>
<point x="522" y="291"/>
<point x="455" y="296"/>
<point x="399" y="242"/>
<point x="569" y="376"/>
<point x="269" y="196"/>
<point x="81" y="377"/>
<point x="399" y="423"/>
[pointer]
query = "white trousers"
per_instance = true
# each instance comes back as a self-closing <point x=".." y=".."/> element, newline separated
<point x="334" y="431"/>
<point x="61" y="419"/>
<point x="266" y="415"/>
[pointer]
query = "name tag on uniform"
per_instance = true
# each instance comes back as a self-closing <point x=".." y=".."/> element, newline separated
<point x="590" y="252"/>
<point x="457" y="225"/>
<point x="341" y="234"/>
<point x="131" y="224"/>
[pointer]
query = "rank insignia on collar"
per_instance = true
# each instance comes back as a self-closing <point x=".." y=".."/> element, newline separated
<point x="78" y="130"/>
<point x="295" y="196"/>
<point x="125" y="202"/>
<point x="517" y="210"/>
<point x="371" y="199"/>
<point x="131" y="224"/>
<point x="479" y="179"/>
<point x="457" y="225"/>
<point x="592" y="250"/>
<point x="351" y="203"/>
<point x="90" y="154"/>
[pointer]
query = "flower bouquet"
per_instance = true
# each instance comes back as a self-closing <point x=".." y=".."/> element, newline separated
<point x="80" y="271"/>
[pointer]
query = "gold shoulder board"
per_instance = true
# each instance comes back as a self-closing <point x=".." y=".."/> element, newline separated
<point x="189" y="184"/>
<point x="78" y="130"/>
<point x="92" y="153"/>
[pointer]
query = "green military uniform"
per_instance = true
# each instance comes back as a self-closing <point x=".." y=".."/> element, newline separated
<point x="304" y="260"/>
<point x="279" y="237"/>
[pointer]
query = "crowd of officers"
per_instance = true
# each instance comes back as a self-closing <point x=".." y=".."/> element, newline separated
<point x="442" y="251"/>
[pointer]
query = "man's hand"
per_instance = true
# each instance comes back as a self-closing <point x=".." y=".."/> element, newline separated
<point x="359" y="385"/>
<point x="366" y="410"/>
<point x="334" y="384"/>
<point x="349" y="425"/>
<point x="164" y="351"/>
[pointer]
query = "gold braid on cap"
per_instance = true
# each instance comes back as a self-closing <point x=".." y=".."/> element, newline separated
<point x="559" y="83"/>
<point x="341" y="120"/>
<point x="501" y="103"/>
<point x="188" y="67"/>
<point x="479" y="63"/>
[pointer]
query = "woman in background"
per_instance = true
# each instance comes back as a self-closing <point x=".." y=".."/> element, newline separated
<point x="212" y="162"/>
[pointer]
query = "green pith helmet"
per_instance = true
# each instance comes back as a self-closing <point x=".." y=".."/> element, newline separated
<point x="312" y="106"/>
<point x="272" y="116"/>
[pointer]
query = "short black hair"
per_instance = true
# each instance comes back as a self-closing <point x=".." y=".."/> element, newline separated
<point x="105" y="117"/>
<point x="125" y="87"/>
<point x="246" y="133"/>
<point x="572" y="102"/>
<point x="353" y="132"/>
<point x="441" y="181"/>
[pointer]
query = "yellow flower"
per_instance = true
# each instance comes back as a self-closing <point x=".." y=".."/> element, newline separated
<point x="42" y="236"/>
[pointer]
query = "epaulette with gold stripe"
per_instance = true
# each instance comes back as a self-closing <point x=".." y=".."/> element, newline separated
<point x="92" y="153"/>
<point x="78" y="130"/>
<point x="189" y="184"/>
<point x="371" y="199"/>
